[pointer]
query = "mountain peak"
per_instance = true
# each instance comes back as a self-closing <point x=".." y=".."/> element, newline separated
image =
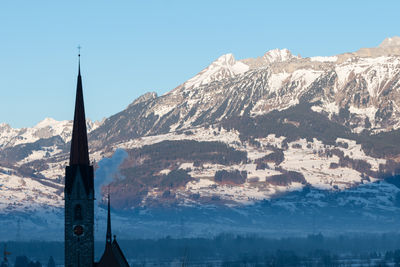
<point x="4" y="126"/>
<point x="278" y="55"/>
<point x="143" y="98"/>
<point x="227" y="59"/>
<point x="46" y="122"/>
<point x="391" y="41"/>
<point x="225" y="66"/>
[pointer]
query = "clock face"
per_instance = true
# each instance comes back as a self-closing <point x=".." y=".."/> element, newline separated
<point x="78" y="230"/>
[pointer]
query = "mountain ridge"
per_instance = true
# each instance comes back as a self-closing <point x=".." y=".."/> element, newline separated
<point x="232" y="137"/>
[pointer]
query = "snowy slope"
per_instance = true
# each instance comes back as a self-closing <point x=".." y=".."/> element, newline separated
<point x="44" y="129"/>
<point x="359" y="93"/>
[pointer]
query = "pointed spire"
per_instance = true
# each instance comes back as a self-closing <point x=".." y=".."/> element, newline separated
<point x="79" y="144"/>
<point x="79" y="65"/>
<point x="108" y="236"/>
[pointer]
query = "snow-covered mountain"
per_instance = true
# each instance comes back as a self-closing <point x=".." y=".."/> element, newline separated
<point x="278" y="133"/>
<point x="365" y="89"/>
<point x="391" y="42"/>
<point x="224" y="67"/>
<point x="44" y="129"/>
<point x="31" y="175"/>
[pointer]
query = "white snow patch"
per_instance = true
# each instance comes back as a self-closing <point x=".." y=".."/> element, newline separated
<point x="367" y="112"/>
<point x="161" y="110"/>
<point x="324" y="59"/>
<point x="331" y="108"/>
<point x="200" y="134"/>
<point x="276" y="80"/>
<point x="316" y="169"/>
<point x="355" y="151"/>
<point x="165" y="171"/>
<point x="186" y="165"/>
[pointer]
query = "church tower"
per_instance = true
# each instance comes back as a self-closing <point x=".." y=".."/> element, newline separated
<point x="79" y="192"/>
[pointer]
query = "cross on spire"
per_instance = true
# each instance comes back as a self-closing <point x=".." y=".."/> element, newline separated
<point x="79" y="50"/>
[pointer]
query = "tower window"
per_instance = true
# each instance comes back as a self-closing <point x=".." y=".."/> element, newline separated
<point x="78" y="212"/>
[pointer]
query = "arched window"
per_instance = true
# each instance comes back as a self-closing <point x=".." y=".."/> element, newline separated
<point x="78" y="212"/>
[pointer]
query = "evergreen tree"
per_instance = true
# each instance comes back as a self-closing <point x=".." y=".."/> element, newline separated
<point x="34" y="264"/>
<point x="51" y="262"/>
<point x="21" y="261"/>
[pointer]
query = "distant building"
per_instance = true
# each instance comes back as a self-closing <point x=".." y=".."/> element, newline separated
<point x="79" y="199"/>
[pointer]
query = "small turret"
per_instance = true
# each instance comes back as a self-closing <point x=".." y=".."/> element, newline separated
<point x="108" y="235"/>
<point x="113" y="255"/>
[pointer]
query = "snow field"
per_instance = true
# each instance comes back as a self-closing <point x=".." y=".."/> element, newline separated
<point x="25" y="194"/>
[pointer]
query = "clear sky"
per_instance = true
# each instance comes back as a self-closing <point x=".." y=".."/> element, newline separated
<point x="132" y="47"/>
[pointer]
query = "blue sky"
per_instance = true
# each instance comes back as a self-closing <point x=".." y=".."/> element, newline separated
<point x="133" y="47"/>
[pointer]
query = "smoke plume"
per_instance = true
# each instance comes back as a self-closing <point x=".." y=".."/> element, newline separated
<point x="108" y="168"/>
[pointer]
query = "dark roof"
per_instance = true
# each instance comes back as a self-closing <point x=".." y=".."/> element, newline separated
<point x="109" y="258"/>
<point x="119" y="254"/>
<point x="79" y="144"/>
<point x="113" y="255"/>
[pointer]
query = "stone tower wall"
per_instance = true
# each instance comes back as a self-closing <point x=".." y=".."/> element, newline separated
<point x="79" y="249"/>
